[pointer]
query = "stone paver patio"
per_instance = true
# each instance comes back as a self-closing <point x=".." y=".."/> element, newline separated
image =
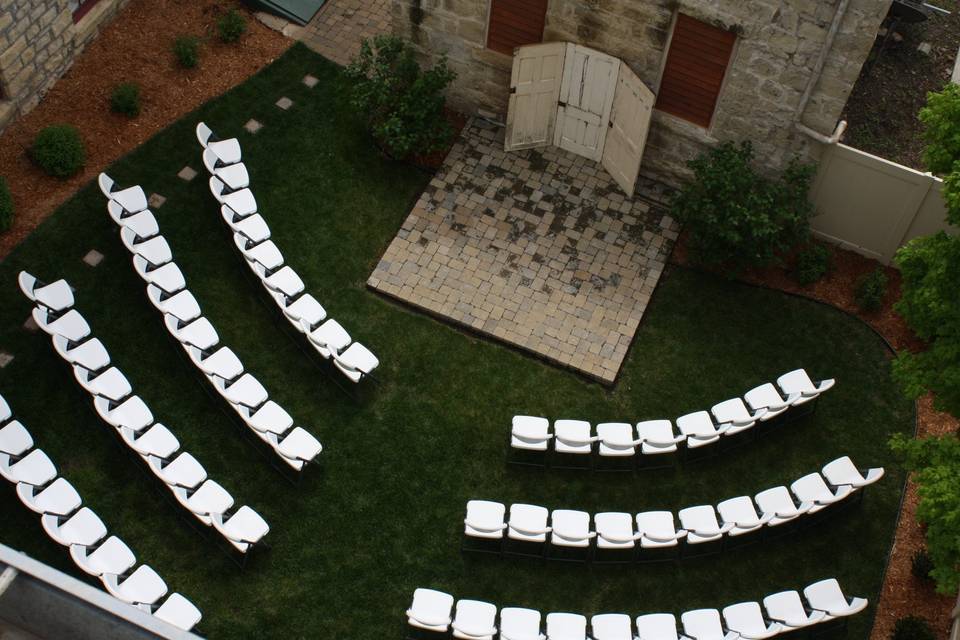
<point x="537" y="248"/>
<point x="341" y="25"/>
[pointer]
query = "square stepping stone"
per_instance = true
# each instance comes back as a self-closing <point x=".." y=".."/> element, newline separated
<point x="187" y="174"/>
<point x="156" y="200"/>
<point x="252" y="126"/>
<point x="310" y="81"/>
<point x="30" y="324"/>
<point x="7" y="358"/>
<point x="284" y="103"/>
<point x="93" y="258"/>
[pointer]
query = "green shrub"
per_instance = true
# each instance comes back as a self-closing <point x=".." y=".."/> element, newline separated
<point x="922" y="565"/>
<point x="187" y="51"/>
<point x="812" y="264"/>
<point x="912" y="628"/>
<point x="737" y="218"/>
<point x="231" y="26"/>
<point x="871" y="290"/>
<point x="6" y="206"/>
<point x="403" y="104"/>
<point x="125" y="99"/>
<point x="58" y="150"/>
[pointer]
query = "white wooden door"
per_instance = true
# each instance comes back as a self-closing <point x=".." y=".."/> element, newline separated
<point x="586" y="97"/>
<point x="534" y="90"/>
<point x="629" y="125"/>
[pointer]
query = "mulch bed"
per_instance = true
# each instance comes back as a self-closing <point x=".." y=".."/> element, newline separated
<point x="136" y="46"/>
<point x="902" y="594"/>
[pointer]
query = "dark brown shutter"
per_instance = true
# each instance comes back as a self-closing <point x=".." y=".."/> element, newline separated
<point x="514" y="23"/>
<point x="697" y="61"/>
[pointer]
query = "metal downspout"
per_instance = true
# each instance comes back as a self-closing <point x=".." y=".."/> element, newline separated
<point x="838" y="16"/>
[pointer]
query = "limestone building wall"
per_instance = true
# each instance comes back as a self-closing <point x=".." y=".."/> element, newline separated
<point x="777" y="47"/>
<point x="38" y="43"/>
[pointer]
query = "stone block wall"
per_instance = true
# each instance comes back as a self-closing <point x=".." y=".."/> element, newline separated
<point x="38" y="43"/>
<point x="777" y="47"/>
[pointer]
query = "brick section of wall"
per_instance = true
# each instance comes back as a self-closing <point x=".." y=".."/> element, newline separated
<point x="778" y="45"/>
<point x="38" y="43"/>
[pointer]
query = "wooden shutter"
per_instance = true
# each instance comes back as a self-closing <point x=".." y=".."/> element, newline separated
<point x="514" y="23"/>
<point x="697" y="61"/>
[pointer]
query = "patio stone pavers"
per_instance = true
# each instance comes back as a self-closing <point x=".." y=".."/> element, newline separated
<point x="537" y="248"/>
<point x="5" y="359"/>
<point x="284" y="103"/>
<point x="341" y="25"/>
<point x="156" y="200"/>
<point x="253" y="126"/>
<point x="187" y="174"/>
<point x="93" y="257"/>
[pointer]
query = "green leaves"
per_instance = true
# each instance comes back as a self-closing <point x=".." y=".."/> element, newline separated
<point x="736" y="217"/>
<point x="941" y="122"/>
<point x="403" y="103"/>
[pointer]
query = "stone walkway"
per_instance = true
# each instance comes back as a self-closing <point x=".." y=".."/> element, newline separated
<point x="341" y="25"/>
<point x="537" y="248"/>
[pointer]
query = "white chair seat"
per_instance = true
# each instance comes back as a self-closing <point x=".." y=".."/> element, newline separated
<point x="767" y="397"/>
<point x="657" y="626"/>
<point x="285" y="281"/>
<point x="184" y="470"/>
<point x="657" y="529"/>
<point x="270" y="418"/>
<point x="246" y="390"/>
<point x="168" y="277"/>
<point x="734" y="414"/>
<point x="357" y="361"/>
<point x="58" y="498"/>
<point x="570" y="529"/>
<point x="614" y="530"/>
<point x="701" y="524"/>
<point x="132" y="199"/>
<point x="143" y="224"/>
<point x="199" y="333"/>
<point x="474" y="620"/>
<point x="242" y="202"/>
<point x="657" y="437"/>
<point x="132" y="413"/>
<point x="572" y="436"/>
<point x="266" y="254"/>
<point x="223" y="362"/>
<point x="566" y="626"/>
<point x="5" y="412"/>
<point x="704" y="624"/>
<point x="746" y="619"/>
<point x="484" y="519"/>
<point x="743" y="514"/>
<point x="70" y="325"/>
<point x="56" y="296"/>
<point x="530" y="433"/>
<point x="113" y="556"/>
<point x="154" y="250"/>
<point x="611" y="626"/>
<point x="227" y="151"/>
<point x="778" y="506"/>
<point x="329" y="338"/>
<point x="82" y="528"/>
<point x="243" y="529"/>
<point x="34" y="468"/>
<point x="787" y="608"/>
<point x="181" y="305"/>
<point x="90" y="354"/>
<point x="156" y="441"/>
<point x="843" y="471"/>
<point x="209" y="498"/>
<point x="299" y="447"/>
<point x="110" y="384"/>
<point x="253" y="227"/>
<point x="430" y="610"/>
<point x="235" y="176"/>
<point x="15" y="440"/>
<point x="179" y="612"/>
<point x="528" y="523"/>
<point x="827" y="596"/>
<point x="813" y="488"/>
<point x="305" y="313"/>
<point x="699" y="429"/>
<point x="616" y="439"/>
<point x="520" y="624"/>
<point x="798" y="381"/>
<point x="143" y="586"/>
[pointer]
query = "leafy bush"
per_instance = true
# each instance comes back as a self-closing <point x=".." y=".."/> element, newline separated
<point x="871" y="290"/>
<point x="58" y="150"/>
<point x="941" y="129"/>
<point x="912" y="628"/>
<point x="6" y="206"/>
<point x="403" y="104"/>
<point x="125" y="99"/>
<point x="187" y="51"/>
<point x="231" y="26"/>
<point x="738" y="218"/>
<point x="936" y="462"/>
<point x="812" y="264"/>
<point x="922" y="564"/>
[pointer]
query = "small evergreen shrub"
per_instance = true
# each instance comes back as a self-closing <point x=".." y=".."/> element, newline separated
<point x="912" y="628"/>
<point x="231" y="26"/>
<point x="922" y="565"/>
<point x="125" y="99"/>
<point x="58" y="150"/>
<point x="871" y="290"/>
<point x="403" y="104"/>
<point x="187" y="51"/>
<point x="6" y="206"/>
<point x="812" y="264"/>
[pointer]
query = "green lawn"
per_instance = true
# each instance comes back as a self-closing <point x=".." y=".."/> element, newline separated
<point x="382" y="515"/>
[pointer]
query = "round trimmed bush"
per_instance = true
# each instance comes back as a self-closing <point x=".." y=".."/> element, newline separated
<point x="58" y="150"/>
<point x="187" y="51"/>
<point x="812" y="264"/>
<point x="922" y="565"/>
<point x="125" y="99"/>
<point x="871" y="290"/>
<point x="231" y="26"/>
<point x="912" y="628"/>
<point x="6" y="206"/>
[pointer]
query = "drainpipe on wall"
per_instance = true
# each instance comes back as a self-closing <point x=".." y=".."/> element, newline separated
<point x="838" y="16"/>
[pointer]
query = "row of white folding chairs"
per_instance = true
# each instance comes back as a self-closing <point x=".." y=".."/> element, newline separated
<point x="115" y="402"/>
<point x="79" y="529"/>
<point x="615" y="531"/>
<point x="653" y="437"/>
<point x="230" y="185"/>
<point x="433" y="612"/>
<point x="167" y="290"/>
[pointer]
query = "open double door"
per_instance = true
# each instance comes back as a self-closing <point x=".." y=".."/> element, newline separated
<point x="581" y="100"/>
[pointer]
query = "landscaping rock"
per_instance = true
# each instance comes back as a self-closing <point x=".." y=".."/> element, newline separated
<point x="93" y="258"/>
<point x="284" y="103"/>
<point x="253" y="126"/>
<point x="156" y="200"/>
<point x="187" y="174"/>
<point x="6" y="358"/>
<point x="924" y="48"/>
<point x="310" y="81"/>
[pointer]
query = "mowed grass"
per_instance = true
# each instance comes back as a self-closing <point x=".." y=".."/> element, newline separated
<point x="382" y="515"/>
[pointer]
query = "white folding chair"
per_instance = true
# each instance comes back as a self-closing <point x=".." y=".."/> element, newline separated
<point x="179" y="612"/>
<point x="143" y="586"/>
<point x="244" y="529"/>
<point x="430" y="610"/>
<point x="356" y="362"/>
<point x="742" y="513"/>
<point x="733" y="414"/>
<point x="798" y="381"/>
<point x="778" y="506"/>
<point x="611" y="626"/>
<point x="659" y="537"/>
<point x="517" y="623"/>
<point x="657" y="438"/>
<point x="483" y="526"/>
<point x="527" y="527"/>
<point x="58" y="498"/>
<point x="827" y="596"/>
<point x="616" y="442"/>
<point x="699" y="429"/>
<point x="84" y="528"/>
<point x="702" y="526"/>
<point x="747" y="620"/>
<point x="788" y="609"/>
<point x="842" y="471"/>
<point x="657" y="626"/>
<point x="572" y="440"/>
<point x="110" y="556"/>
<point x="570" y="530"/>
<point x="705" y="624"/>
<point x="813" y="488"/>
<point x="566" y="626"/>
<point x="616" y="539"/>
<point x="474" y="620"/>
